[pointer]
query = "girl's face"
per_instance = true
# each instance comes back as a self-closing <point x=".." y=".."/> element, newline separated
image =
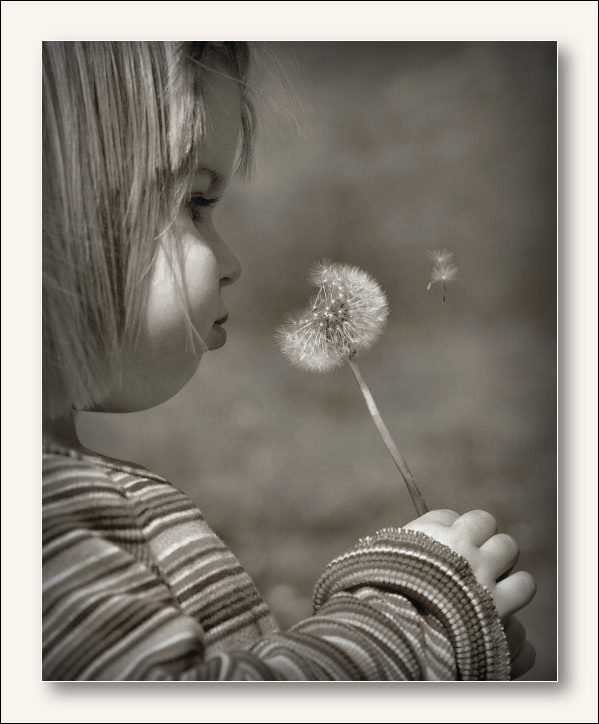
<point x="186" y="283"/>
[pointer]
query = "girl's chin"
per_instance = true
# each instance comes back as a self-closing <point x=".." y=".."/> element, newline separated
<point x="217" y="337"/>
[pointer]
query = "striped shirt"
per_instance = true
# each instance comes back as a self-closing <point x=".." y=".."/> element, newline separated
<point x="136" y="586"/>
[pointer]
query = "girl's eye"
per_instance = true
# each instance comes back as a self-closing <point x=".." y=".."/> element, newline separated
<point x="197" y="203"/>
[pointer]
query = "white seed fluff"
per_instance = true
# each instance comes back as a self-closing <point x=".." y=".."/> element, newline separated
<point x="345" y="318"/>
<point x="443" y="268"/>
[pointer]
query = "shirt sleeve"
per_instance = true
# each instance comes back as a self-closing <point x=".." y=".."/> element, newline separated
<point x="437" y="597"/>
<point x="398" y="606"/>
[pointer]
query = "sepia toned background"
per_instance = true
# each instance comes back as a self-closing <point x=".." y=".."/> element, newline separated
<point x="372" y="153"/>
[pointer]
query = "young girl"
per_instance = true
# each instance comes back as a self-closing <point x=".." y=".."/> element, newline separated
<point x="139" y="143"/>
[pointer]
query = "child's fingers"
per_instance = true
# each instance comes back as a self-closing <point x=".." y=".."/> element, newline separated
<point x="434" y="517"/>
<point x="524" y="661"/>
<point x="477" y="525"/>
<point x="500" y="553"/>
<point x="513" y="593"/>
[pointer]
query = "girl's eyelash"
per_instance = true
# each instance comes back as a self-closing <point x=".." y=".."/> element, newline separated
<point x="197" y="203"/>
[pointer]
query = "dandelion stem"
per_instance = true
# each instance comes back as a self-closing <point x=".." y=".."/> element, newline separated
<point x="398" y="458"/>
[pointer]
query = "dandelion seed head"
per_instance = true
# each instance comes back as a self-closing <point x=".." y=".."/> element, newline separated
<point x="345" y="318"/>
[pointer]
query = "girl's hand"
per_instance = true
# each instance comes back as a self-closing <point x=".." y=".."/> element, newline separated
<point x="491" y="556"/>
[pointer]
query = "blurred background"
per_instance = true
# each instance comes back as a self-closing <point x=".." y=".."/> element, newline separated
<point x="372" y="153"/>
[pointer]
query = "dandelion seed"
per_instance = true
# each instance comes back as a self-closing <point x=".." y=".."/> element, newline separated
<point x="443" y="270"/>
<point x="345" y="318"/>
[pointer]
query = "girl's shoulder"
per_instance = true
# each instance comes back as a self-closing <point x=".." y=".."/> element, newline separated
<point x="63" y="464"/>
<point x="90" y="486"/>
<point x="86" y="494"/>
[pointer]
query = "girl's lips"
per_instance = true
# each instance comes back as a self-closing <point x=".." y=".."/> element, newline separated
<point x="218" y="335"/>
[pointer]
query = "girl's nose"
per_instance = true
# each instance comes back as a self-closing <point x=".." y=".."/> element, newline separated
<point x="229" y="265"/>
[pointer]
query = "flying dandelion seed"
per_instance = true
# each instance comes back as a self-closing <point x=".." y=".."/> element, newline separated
<point x="443" y="270"/>
<point x="345" y="318"/>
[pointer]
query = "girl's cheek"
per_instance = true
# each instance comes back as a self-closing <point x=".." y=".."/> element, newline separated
<point x="202" y="287"/>
<point x="184" y="291"/>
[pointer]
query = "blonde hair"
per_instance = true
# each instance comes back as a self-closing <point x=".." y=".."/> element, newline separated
<point x="122" y="132"/>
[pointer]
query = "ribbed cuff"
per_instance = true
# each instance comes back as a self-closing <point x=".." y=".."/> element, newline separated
<point x="415" y="565"/>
